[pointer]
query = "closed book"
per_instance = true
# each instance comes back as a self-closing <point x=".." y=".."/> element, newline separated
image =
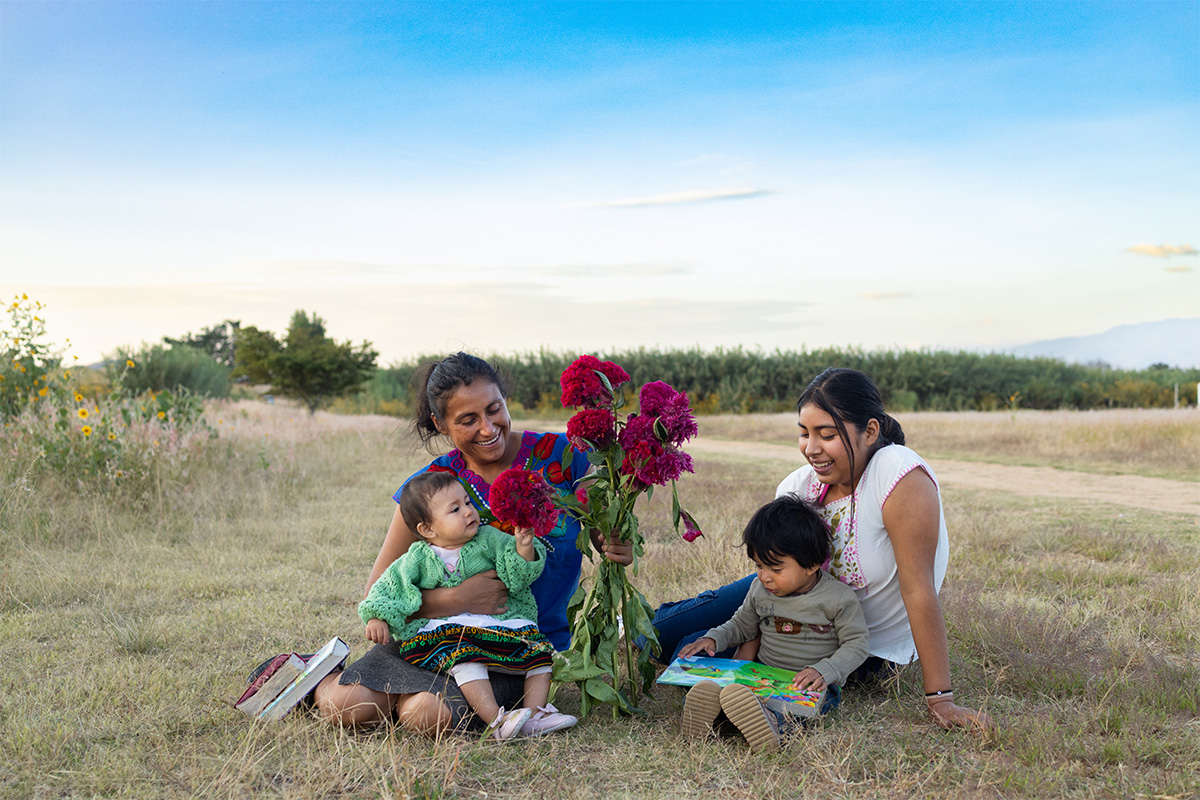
<point x="772" y="685"/>
<point x="279" y="674"/>
<point x="323" y="662"/>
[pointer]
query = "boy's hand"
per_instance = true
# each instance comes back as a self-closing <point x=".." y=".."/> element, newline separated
<point x="377" y="631"/>
<point x="703" y="643"/>
<point x="809" y="678"/>
<point x="946" y="714"/>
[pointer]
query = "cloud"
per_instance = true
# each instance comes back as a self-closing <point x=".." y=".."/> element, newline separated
<point x="1181" y="268"/>
<point x="885" y="295"/>
<point x="680" y="198"/>
<point x="1163" y="250"/>
<point x="645" y="270"/>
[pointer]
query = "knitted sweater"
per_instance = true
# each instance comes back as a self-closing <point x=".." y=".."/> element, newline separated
<point x="397" y="593"/>
<point x="823" y="628"/>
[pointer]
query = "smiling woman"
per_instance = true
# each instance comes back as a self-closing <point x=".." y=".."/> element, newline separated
<point x="461" y="398"/>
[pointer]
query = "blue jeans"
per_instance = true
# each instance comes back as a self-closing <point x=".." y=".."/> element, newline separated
<point x="685" y="621"/>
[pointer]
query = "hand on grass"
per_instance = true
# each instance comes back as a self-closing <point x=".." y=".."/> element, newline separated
<point x="377" y="631"/>
<point x="945" y="714"/>
<point x="703" y="643"/>
<point x="809" y="678"/>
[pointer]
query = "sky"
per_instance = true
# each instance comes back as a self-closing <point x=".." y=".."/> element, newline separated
<point x="593" y="176"/>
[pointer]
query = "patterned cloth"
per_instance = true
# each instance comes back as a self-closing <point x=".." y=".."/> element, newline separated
<point x="517" y="650"/>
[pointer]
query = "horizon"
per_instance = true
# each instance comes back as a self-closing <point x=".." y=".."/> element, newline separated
<point x="593" y="177"/>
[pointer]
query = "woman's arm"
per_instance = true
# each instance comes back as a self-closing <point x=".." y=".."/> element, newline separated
<point x="480" y="594"/>
<point x="912" y="517"/>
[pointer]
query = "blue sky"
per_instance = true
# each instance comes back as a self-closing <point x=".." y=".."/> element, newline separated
<point x="586" y="176"/>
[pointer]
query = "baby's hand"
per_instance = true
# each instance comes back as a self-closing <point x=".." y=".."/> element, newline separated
<point x="524" y="537"/>
<point x="377" y="631"/>
<point x="809" y="678"/>
<point x="703" y="643"/>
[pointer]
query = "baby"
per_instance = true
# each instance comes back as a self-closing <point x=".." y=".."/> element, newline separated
<point x="453" y="547"/>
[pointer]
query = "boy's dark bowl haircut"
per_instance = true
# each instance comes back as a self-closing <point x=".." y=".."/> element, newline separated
<point x="787" y="526"/>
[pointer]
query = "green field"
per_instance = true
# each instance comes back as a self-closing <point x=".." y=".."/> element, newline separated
<point x="128" y="622"/>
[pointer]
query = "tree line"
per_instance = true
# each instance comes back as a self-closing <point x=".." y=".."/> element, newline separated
<point x="308" y="365"/>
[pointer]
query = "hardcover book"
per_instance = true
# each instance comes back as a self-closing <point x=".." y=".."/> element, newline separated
<point x="273" y="699"/>
<point x="772" y="684"/>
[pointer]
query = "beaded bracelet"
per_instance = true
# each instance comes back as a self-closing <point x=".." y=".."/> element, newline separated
<point x="939" y="694"/>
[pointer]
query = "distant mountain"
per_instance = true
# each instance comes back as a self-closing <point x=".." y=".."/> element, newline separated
<point x="1175" y="342"/>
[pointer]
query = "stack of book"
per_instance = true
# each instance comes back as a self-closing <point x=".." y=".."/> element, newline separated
<point x="288" y="679"/>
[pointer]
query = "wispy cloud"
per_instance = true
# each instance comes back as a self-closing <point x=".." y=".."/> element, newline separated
<point x="884" y="295"/>
<point x="680" y="198"/>
<point x="1163" y="250"/>
<point x="1180" y="268"/>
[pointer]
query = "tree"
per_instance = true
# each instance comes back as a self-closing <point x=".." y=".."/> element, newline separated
<point x="218" y="341"/>
<point x="307" y="364"/>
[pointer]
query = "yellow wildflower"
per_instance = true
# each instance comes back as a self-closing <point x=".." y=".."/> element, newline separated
<point x="129" y="363"/>
<point x="42" y="391"/>
<point x="78" y="397"/>
<point x="22" y="368"/>
<point x="112" y="436"/>
<point x="83" y="413"/>
<point x="162" y="415"/>
<point x="67" y="375"/>
<point x="86" y="430"/>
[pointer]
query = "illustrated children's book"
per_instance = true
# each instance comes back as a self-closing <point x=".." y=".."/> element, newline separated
<point x="275" y="696"/>
<point x="772" y="684"/>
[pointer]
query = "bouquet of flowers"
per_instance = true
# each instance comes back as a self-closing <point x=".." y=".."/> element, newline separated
<point x="630" y="456"/>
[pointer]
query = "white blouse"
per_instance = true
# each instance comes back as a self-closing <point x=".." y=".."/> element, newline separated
<point x="862" y="550"/>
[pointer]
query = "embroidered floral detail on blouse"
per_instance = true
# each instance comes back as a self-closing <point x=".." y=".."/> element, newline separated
<point x="844" y="563"/>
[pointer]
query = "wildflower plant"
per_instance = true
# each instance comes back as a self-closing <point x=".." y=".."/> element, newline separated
<point x="104" y="440"/>
<point x="630" y="455"/>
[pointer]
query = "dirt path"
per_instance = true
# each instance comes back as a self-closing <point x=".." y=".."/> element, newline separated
<point x="1135" y="491"/>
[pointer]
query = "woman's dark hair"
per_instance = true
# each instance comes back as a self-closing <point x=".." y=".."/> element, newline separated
<point x="438" y="380"/>
<point x="420" y="489"/>
<point x="851" y="396"/>
<point x="787" y="526"/>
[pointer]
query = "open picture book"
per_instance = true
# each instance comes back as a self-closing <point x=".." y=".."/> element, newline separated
<point x="772" y="684"/>
<point x="288" y="679"/>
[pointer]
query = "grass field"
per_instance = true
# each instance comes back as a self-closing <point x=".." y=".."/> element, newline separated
<point x="128" y="624"/>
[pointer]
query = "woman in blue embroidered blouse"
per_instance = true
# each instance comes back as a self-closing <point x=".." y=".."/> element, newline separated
<point x="463" y="399"/>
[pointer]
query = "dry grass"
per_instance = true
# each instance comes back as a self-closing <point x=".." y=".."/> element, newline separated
<point x="1162" y="443"/>
<point x="127" y="632"/>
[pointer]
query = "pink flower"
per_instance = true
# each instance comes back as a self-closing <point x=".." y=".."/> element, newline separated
<point x="522" y="498"/>
<point x="691" y="531"/>
<point x="582" y="385"/>
<point x="658" y="399"/>
<point x="592" y="427"/>
<point x="648" y="460"/>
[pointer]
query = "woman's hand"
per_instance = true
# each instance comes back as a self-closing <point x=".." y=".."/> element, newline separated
<point x="945" y="714"/>
<point x="620" y="552"/>
<point x="809" y="678"/>
<point x="485" y="593"/>
<point x="703" y="643"/>
<point x="377" y="631"/>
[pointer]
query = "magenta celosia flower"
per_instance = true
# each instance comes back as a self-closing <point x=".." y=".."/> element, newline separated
<point x="648" y="460"/>
<point x="582" y="386"/>
<point x="592" y="427"/>
<point x="691" y="531"/>
<point x="522" y="498"/>
<point x="660" y="400"/>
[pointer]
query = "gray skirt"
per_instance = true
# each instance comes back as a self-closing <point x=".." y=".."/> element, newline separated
<point x="383" y="670"/>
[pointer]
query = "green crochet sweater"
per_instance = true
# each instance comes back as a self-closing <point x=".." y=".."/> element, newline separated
<point x="397" y="593"/>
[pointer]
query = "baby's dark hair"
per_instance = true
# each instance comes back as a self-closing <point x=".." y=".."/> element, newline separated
<point x="787" y="526"/>
<point x="420" y="489"/>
